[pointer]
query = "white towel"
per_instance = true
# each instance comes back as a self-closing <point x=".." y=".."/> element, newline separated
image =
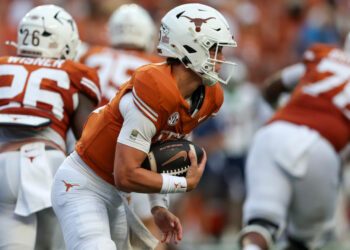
<point x="36" y="179"/>
<point x="139" y="238"/>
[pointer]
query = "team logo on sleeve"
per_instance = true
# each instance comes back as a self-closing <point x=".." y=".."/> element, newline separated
<point x="134" y="134"/>
<point x="173" y="119"/>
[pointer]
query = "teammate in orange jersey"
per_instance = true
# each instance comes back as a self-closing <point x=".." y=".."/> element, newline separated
<point x="294" y="164"/>
<point x="159" y="102"/>
<point x="42" y="93"/>
<point x="132" y="35"/>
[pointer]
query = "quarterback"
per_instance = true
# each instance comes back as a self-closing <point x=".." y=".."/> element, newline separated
<point x="304" y="166"/>
<point x="132" y="37"/>
<point x="43" y="93"/>
<point x="159" y="102"/>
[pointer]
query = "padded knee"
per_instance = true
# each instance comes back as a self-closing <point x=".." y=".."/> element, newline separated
<point x="268" y="230"/>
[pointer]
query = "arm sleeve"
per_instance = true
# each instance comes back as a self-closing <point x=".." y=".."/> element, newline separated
<point x="291" y="75"/>
<point x="137" y="130"/>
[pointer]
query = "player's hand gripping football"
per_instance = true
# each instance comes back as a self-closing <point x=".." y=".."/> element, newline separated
<point x="195" y="171"/>
<point x="168" y="223"/>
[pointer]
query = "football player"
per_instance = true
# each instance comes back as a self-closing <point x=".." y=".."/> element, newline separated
<point x="159" y="102"/>
<point x="132" y="35"/>
<point x="294" y="164"/>
<point x="42" y="94"/>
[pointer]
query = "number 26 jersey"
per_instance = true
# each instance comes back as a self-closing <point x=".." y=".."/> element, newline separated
<point x="47" y="88"/>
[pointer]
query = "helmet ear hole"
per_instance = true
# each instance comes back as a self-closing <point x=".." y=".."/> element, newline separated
<point x="67" y="49"/>
<point x="185" y="60"/>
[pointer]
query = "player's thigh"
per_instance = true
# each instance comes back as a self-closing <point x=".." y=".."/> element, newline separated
<point x="82" y="212"/>
<point x="49" y="233"/>
<point x="9" y="177"/>
<point x="16" y="232"/>
<point x="269" y="188"/>
<point x="315" y="195"/>
<point x="118" y="225"/>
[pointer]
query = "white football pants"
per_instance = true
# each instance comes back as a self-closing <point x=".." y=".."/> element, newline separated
<point x="39" y="230"/>
<point x="292" y="178"/>
<point x="91" y="211"/>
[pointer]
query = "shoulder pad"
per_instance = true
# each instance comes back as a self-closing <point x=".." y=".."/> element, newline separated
<point x="153" y="91"/>
<point x="85" y="79"/>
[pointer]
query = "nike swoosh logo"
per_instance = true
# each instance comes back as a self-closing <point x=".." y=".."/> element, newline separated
<point x="201" y="118"/>
<point x="177" y="156"/>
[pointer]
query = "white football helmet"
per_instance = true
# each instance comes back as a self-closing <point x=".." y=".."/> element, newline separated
<point x="188" y="32"/>
<point x="48" y="31"/>
<point x="130" y="24"/>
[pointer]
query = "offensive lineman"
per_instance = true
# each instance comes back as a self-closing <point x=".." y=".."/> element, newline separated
<point x="293" y="182"/>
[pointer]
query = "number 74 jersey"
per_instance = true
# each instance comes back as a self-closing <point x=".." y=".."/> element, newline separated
<point x="45" y="87"/>
<point x="321" y="100"/>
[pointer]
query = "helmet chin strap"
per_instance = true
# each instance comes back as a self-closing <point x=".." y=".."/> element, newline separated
<point x="207" y="80"/>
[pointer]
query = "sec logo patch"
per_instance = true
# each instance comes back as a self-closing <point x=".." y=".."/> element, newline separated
<point x="173" y="119"/>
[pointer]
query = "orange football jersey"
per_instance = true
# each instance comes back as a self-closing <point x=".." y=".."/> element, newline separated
<point x="46" y="88"/>
<point x="115" y="67"/>
<point x="321" y="100"/>
<point x="157" y="96"/>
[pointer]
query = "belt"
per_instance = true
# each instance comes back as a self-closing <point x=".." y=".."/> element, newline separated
<point x="16" y="145"/>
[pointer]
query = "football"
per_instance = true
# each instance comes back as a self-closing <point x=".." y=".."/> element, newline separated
<point x="171" y="157"/>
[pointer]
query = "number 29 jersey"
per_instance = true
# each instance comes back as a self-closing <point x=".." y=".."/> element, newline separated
<point x="44" y="87"/>
<point x="321" y="100"/>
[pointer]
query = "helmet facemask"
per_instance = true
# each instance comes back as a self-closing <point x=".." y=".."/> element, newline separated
<point x="209" y="70"/>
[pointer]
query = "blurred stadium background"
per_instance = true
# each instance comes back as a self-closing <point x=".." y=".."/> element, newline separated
<point x="270" y="34"/>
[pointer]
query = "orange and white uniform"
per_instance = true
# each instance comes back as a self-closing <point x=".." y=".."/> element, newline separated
<point x="156" y="95"/>
<point x="147" y="108"/>
<point x="115" y="66"/>
<point x="45" y="88"/>
<point x="320" y="100"/>
<point x="297" y="151"/>
<point x="43" y="93"/>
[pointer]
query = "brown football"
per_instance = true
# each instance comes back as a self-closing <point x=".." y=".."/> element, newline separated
<point x="171" y="157"/>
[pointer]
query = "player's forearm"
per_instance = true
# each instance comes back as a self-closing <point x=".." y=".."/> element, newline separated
<point x="139" y="180"/>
